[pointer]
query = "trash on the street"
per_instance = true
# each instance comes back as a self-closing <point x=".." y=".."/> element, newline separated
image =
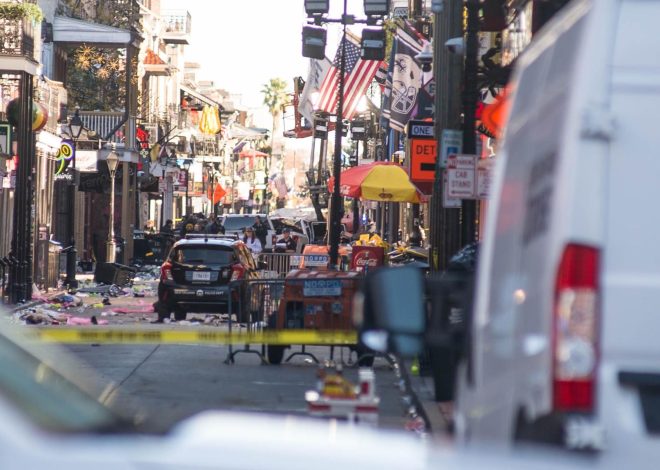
<point x="337" y="397"/>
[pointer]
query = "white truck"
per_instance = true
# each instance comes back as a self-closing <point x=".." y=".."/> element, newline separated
<point x="561" y="343"/>
<point x="564" y="334"/>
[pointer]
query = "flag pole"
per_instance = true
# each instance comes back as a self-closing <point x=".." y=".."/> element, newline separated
<point x="336" y="200"/>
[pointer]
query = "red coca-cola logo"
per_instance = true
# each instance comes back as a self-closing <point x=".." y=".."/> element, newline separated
<point x="364" y="261"/>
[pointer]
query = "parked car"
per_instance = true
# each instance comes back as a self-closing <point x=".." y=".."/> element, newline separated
<point x="235" y="224"/>
<point x="196" y="274"/>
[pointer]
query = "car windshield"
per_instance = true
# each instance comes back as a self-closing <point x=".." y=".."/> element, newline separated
<point x="40" y="384"/>
<point x="281" y="224"/>
<point x="239" y="223"/>
<point x="203" y="254"/>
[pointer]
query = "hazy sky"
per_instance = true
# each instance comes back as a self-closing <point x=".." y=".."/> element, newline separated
<point x="241" y="44"/>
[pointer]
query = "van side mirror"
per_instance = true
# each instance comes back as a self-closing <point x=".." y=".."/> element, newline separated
<point x="390" y="311"/>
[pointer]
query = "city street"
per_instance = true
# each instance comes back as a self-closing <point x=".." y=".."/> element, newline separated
<point x="187" y="379"/>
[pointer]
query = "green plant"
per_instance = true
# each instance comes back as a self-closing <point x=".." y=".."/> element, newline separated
<point x="19" y="11"/>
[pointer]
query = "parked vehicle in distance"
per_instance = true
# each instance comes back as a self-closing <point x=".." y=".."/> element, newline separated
<point x="196" y="274"/>
<point x="235" y="224"/>
<point x="300" y="231"/>
<point x="319" y="232"/>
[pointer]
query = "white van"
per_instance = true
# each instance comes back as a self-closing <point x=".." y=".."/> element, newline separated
<point x="565" y="334"/>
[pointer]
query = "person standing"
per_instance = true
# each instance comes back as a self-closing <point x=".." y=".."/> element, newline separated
<point x="167" y="229"/>
<point x="251" y="241"/>
<point x="287" y="242"/>
<point x="260" y="230"/>
<point x="214" y="227"/>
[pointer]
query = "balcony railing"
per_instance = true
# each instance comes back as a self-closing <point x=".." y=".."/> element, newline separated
<point x="103" y="122"/>
<point x="178" y="24"/>
<point x="17" y="36"/>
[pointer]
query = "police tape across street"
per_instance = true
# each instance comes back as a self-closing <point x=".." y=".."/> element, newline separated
<point x="150" y="336"/>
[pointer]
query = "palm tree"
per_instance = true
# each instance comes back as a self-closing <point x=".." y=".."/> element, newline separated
<point x="275" y="97"/>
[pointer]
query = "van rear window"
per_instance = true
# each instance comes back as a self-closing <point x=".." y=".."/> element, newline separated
<point x="192" y="254"/>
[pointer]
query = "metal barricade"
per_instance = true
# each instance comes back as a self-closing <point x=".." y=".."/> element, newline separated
<point x="279" y="264"/>
<point x="253" y="302"/>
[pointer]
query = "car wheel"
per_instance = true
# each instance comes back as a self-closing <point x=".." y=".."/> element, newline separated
<point x="275" y="354"/>
<point x="179" y="314"/>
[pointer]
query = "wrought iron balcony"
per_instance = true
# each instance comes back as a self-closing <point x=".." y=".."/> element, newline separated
<point x="177" y="26"/>
<point x="17" y="35"/>
<point x="103" y="122"/>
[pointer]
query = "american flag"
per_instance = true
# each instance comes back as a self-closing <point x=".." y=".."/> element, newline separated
<point x="357" y="78"/>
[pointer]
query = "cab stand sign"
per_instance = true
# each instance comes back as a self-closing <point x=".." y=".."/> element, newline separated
<point x="468" y="177"/>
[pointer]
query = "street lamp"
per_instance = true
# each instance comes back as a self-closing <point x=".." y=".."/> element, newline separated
<point x="75" y="129"/>
<point x="76" y="126"/>
<point x="186" y="168"/>
<point x="112" y="160"/>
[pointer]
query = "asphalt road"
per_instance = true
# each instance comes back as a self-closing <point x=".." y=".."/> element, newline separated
<point x="170" y="382"/>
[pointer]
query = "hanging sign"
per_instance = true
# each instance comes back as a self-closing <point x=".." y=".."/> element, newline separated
<point x="65" y="155"/>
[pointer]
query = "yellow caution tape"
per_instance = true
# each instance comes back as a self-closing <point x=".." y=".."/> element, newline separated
<point x="149" y="336"/>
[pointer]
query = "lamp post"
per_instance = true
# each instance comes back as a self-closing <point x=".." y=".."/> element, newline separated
<point x="313" y="46"/>
<point x="75" y="129"/>
<point x="186" y="168"/>
<point x="112" y="160"/>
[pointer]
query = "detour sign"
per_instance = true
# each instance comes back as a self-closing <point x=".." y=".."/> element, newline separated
<point x="423" y="154"/>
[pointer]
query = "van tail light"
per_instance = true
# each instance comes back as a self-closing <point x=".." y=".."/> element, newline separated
<point x="273" y="239"/>
<point x="166" y="272"/>
<point x="237" y="272"/>
<point x="575" y="330"/>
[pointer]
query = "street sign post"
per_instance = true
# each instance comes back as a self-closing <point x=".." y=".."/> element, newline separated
<point x="447" y="201"/>
<point x="452" y="144"/>
<point x="461" y="176"/>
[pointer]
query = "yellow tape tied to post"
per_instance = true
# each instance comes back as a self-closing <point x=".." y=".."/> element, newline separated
<point x="149" y="336"/>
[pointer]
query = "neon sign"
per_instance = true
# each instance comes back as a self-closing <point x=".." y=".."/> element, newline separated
<point x="65" y="154"/>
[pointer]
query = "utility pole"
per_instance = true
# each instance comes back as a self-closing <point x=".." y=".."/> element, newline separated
<point x="470" y="97"/>
<point x="444" y="229"/>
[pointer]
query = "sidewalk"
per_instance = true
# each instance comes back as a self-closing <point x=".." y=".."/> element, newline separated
<point x="424" y="391"/>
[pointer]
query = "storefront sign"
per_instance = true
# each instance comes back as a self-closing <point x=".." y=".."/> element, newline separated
<point x="65" y="155"/>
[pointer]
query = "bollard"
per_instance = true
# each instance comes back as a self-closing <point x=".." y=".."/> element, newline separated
<point x="71" y="259"/>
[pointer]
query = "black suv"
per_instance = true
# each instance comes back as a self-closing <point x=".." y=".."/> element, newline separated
<point x="196" y="274"/>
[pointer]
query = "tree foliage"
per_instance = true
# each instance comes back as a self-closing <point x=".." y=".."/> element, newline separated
<point x="275" y="95"/>
<point x="96" y="78"/>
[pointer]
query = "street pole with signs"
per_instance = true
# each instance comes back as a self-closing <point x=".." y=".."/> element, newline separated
<point x="372" y="48"/>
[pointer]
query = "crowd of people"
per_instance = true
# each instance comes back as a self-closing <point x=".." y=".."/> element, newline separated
<point x="254" y="237"/>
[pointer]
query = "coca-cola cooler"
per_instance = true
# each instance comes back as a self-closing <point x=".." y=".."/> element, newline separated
<point x="367" y="257"/>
